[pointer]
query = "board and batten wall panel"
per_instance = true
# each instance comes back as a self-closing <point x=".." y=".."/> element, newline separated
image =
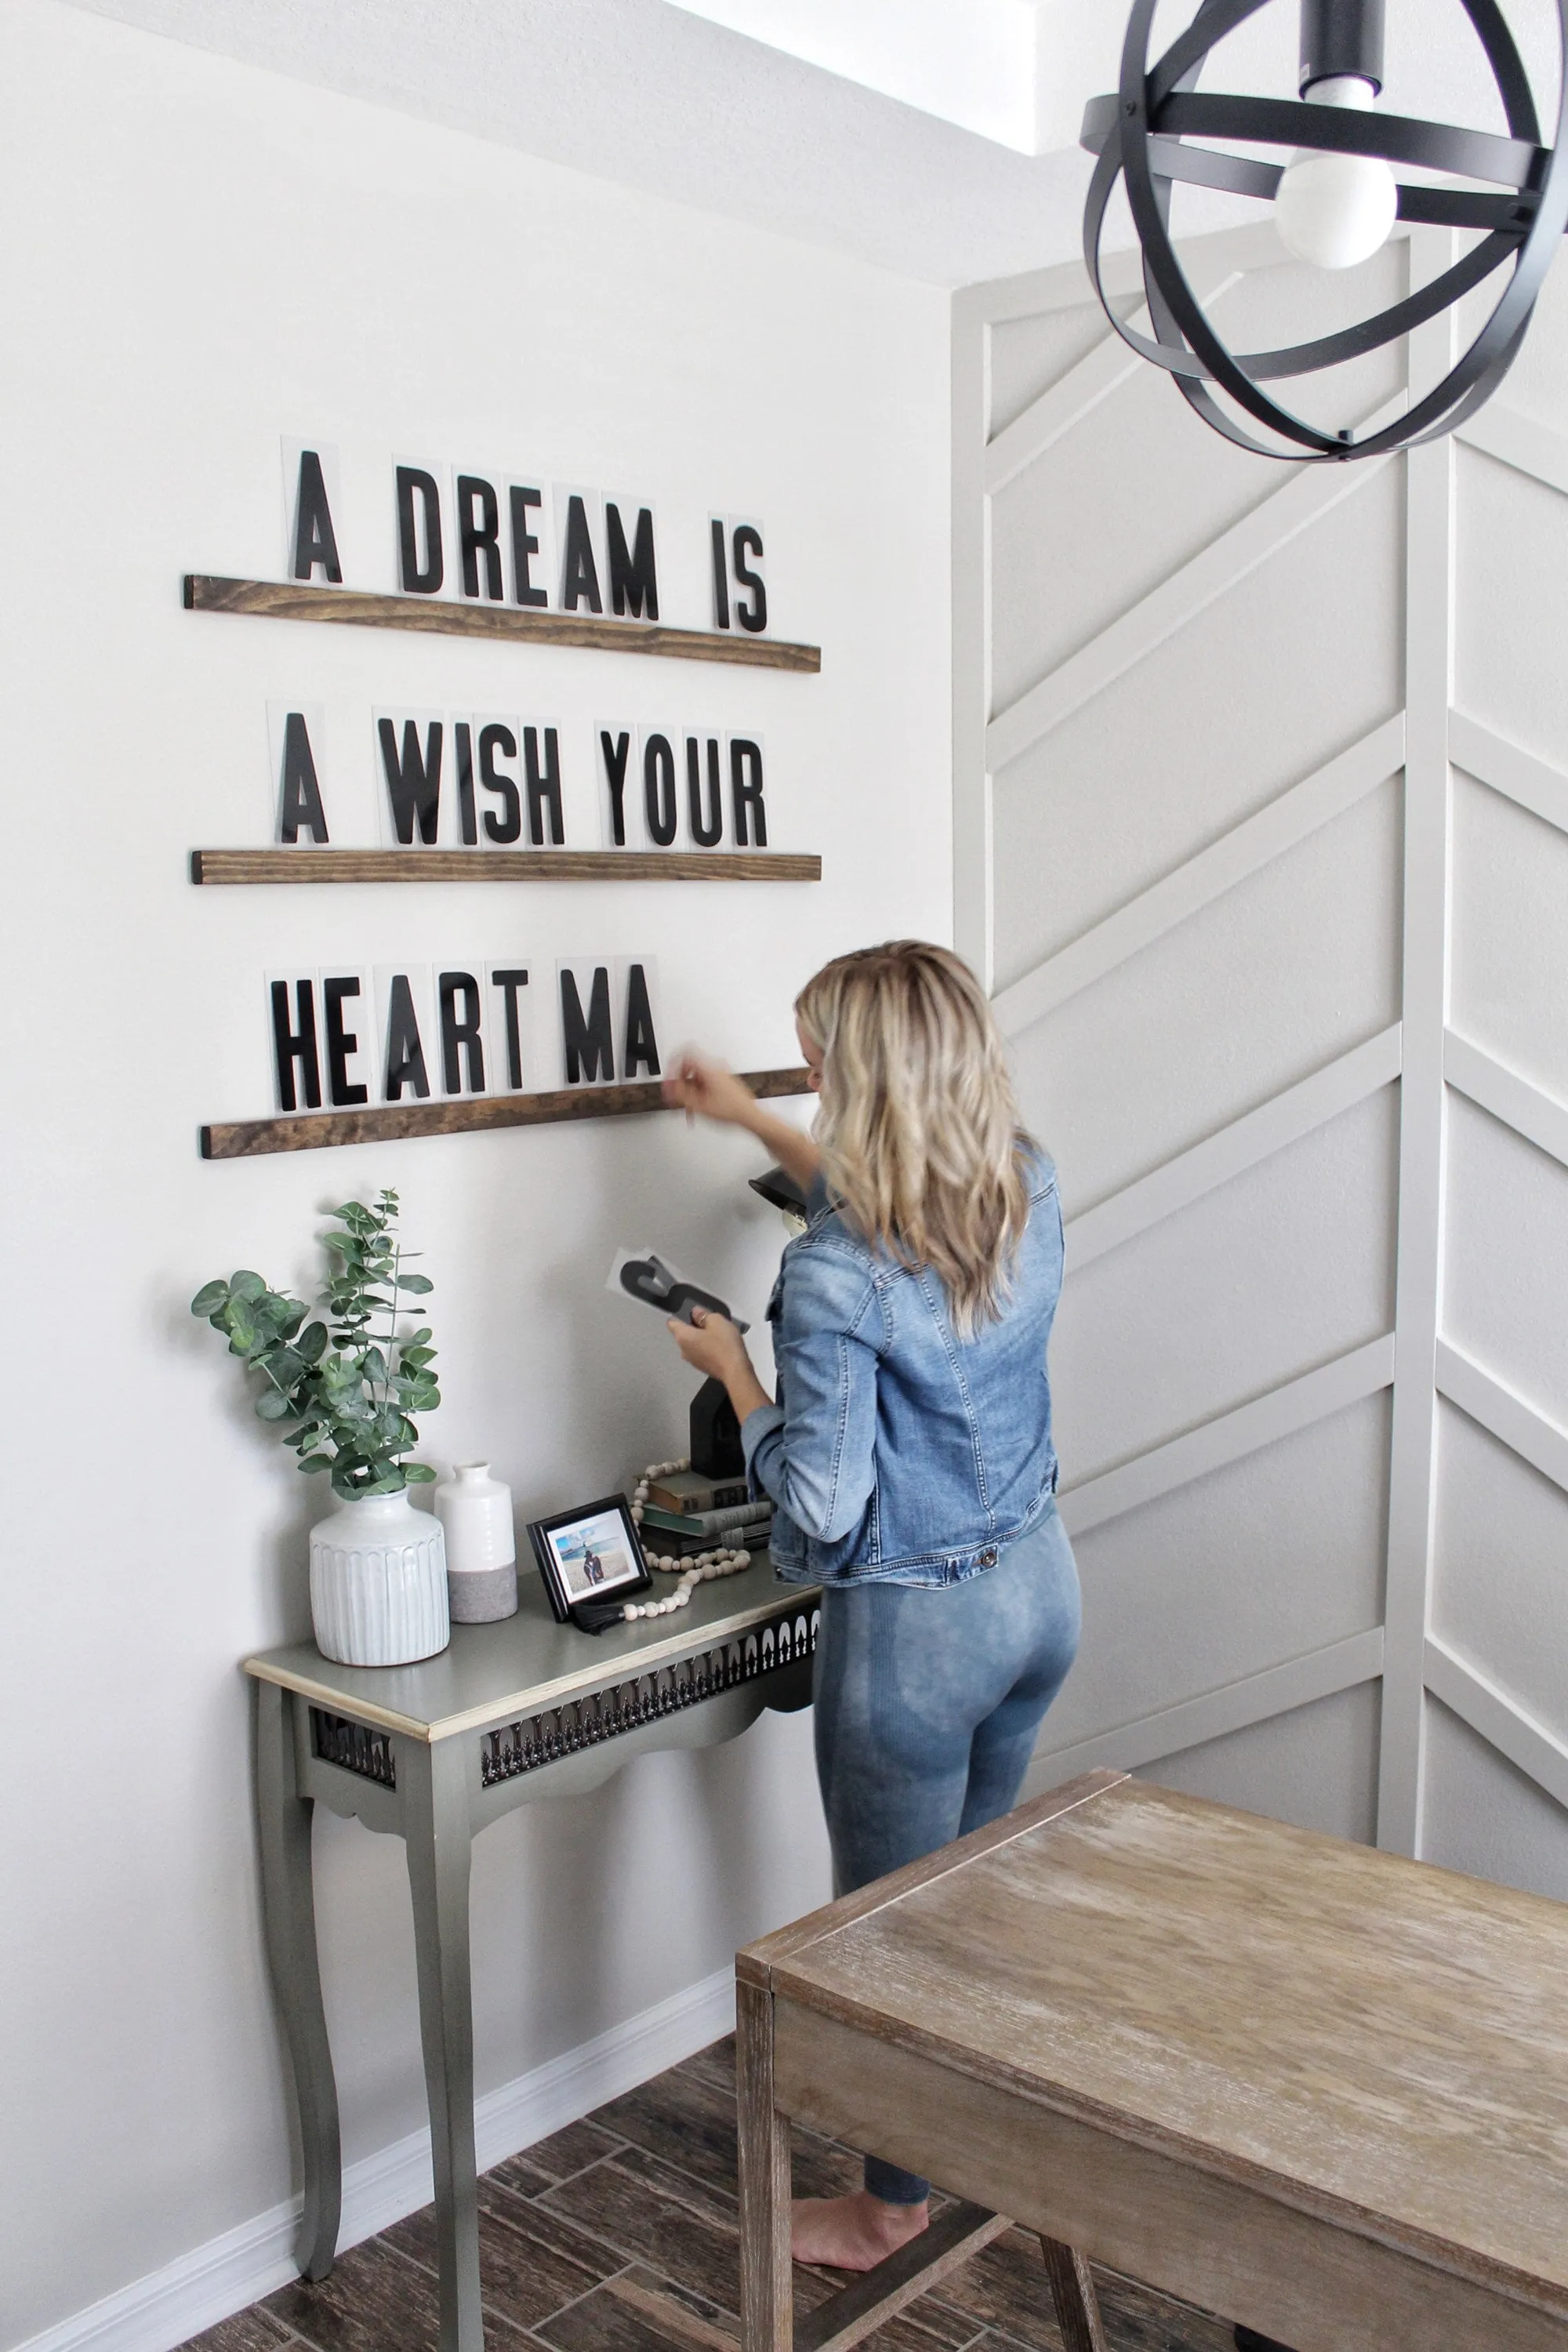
<point x="1261" y="844"/>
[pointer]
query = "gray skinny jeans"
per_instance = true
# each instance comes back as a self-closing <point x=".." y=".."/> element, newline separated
<point x="928" y="1700"/>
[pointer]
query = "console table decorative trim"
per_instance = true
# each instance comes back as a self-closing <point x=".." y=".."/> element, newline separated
<point x="432" y="1753"/>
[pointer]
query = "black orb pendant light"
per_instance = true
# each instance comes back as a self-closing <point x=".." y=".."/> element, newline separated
<point x="1334" y="202"/>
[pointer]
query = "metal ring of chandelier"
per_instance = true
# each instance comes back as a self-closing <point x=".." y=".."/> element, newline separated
<point x="1139" y="135"/>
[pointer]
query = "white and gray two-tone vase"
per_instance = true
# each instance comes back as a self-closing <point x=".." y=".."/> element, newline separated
<point x="481" y="1545"/>
<point x="378" y="1583"/>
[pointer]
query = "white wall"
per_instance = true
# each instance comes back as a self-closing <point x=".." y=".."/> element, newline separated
<point x="1263" y="789"/>
<point x="202" y="257"/>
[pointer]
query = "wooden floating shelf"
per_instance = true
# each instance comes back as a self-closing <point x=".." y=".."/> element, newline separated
<point x="226" y="866"/>
<point x="252" y="1138"/>
<point x="283" y="599"/>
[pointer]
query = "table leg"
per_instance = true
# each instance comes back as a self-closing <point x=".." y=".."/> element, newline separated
<point x="437" y="1836"/>
<point x="289" y="1910"/>
<point x="1072" y="2292"/>
<point x="767" y="2286"/>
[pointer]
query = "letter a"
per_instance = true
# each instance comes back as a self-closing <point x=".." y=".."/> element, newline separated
<point x="314" y="538"/>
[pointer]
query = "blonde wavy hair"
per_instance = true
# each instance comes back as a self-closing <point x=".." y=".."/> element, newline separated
<point x="919" y="1124"/>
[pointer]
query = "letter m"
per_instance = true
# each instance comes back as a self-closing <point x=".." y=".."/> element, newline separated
<point x="588" y="1041"/>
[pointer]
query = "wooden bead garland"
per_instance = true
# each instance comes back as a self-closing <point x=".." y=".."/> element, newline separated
<point x="725" y="1561"/>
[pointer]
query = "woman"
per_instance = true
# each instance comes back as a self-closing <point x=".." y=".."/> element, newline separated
<point x="909" y="1454"/>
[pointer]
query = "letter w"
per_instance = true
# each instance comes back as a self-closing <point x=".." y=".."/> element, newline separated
<point x="413" y="783"/>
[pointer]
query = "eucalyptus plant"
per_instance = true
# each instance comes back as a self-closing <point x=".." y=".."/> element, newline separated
<point x="340" y="1393"/>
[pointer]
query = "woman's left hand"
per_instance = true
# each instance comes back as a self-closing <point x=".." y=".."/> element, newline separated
<point x="711" y="1344"/>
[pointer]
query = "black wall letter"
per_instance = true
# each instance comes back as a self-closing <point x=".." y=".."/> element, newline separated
<point x="413" y="783"/>
<point x="340" y="1042"/>
<point x="579" y="573"/>
<point x="509" y="826"/>
<point x="460" y="1033"/>
<point x="479" y="533"/>
<point x="314" y="541"/>
<point x="754" y="615"/>
<point x="463" y="745"/>
<point x="658" y="789"/>
<point x="642" y="1047"/>
<point x="720" y="574"/>
<point x="589" y="1041"/>
<point x="705" y="829"/>
<point x="633" y="582"/>
<point x="404" y="1054"/>
<point x="419" y="580"/>
<point x="746" y="790"/>
<point x="291" y="1046"/>
<point x="617" y="749"/>
<point x="543" y="786"/>
<point x="508" y="982"/>
<point x="302" y="798"/>
<point x="524" y="546"/>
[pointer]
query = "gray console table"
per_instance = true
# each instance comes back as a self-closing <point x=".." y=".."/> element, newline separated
<point x="433" y="1752"/>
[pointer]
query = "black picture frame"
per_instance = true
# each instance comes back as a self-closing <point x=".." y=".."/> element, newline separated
<point x="570" y="1593"/>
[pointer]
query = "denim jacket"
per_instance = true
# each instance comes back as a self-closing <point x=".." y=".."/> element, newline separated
<point x="897" y="1451"/>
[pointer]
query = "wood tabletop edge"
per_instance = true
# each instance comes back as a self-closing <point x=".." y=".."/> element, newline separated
<point x="1470" y="2262"/>
<point x="789" y="1942"/>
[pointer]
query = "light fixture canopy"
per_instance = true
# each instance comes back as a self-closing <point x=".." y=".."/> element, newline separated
<point x="1140" y="133"/>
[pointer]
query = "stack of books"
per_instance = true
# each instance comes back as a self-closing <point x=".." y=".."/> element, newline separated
<point x="686" y="1513"/>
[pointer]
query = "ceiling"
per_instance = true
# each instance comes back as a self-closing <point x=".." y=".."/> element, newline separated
<point x="929" y="137"/>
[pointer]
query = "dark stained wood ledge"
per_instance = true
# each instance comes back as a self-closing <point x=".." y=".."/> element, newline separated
<point x="284" y="600"/>
<point x="252" y="1138"/>
<point x="229" y="865"/>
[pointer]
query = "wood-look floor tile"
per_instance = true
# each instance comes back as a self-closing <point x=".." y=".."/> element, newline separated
<point x="530" y="2260"/>
<point x="686" y="2117"/>
<point x="630" y="2211"/>
<point x="255" y="2330"/>
<point x="376" y="2300"/>
<point x="1139" y="2320"/>
<point x="565" y="2152"/>
<point x="717" y="2063"/>
<point x="523" y="2177"/>
<point x="1005" y="2287"/>
<point x="820" y="2167"/>
<point x="692" y="2189"/>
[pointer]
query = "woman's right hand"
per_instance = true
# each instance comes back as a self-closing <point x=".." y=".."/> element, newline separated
<point x="699" y="1085"/>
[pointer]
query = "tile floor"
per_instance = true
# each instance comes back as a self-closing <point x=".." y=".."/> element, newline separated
<point x="618" y="2235"/>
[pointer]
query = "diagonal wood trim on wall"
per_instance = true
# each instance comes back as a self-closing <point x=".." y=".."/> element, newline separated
<point x="1518" y="441"/>
<point x="1254" y="1698"/>
<point x="1518" y="774"/>
<point x="1065" y="405"/>
<point x="1301" y="811"/>
<point x="1539" y="1117"/>
<point x="1284" y="1119"/>
<point x="1501" y="1720"/>
<point x="1230" y="1436"/>
<point x="1515" y="1423"/>
<point x="1308" y="495"/>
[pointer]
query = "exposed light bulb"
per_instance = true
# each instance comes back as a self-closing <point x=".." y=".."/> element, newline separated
<point x="1335" y="210"/>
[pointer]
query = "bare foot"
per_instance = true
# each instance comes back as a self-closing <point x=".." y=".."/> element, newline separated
<point x="852" y="2233"/>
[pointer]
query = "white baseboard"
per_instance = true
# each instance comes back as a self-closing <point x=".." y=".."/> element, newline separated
<point x="169" y="2305"/>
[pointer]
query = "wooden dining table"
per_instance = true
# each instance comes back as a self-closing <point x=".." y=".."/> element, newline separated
<point x="1316" y="2088"/>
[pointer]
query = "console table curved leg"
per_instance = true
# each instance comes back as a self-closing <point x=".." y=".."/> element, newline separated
<point x="289" y="1910"/>
<point x="1072" y="2292"/>
<point x="437" y="1837"/>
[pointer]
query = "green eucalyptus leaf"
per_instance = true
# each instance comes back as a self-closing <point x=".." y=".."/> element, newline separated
<point x="270" y="1406"/>
<point x="210" y="1300"/>
<point x="418" y="1474"/>
<point x="312" y="1342"/>
<point x="417" y="1283"/>
<point x="245" y="1285"/>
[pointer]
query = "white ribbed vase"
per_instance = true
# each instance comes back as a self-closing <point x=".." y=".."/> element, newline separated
<point x="378" y="1583"/>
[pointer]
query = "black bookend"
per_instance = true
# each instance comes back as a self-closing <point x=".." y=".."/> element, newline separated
<point x="716" y="1449"/>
